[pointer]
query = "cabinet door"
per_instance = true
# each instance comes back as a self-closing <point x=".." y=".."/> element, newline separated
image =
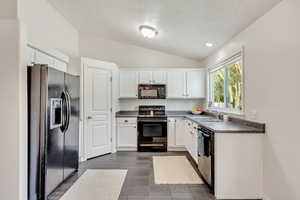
<point x="127" y="135"/>
<point x="30" y="56"/>
<point x="145" y="77"/>
<point x="195" y="84"/>
<point x="176" y="84"/>
<point x="59" y="65"/>
<point x="194" y="149"/>
<point x="180" y="134"/>
<point x="189" y="137"/>
<point x="159" y="77"/>
<point x="171" y="132"/>
<point x="42" y="58"/>
<point x="128" y="84"/>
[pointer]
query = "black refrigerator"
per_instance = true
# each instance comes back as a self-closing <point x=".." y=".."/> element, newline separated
<point x="53" y="123"/>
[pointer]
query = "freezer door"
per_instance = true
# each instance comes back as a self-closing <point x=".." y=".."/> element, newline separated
<point x="71" y="146"/>
<point x="37" y="113"/>
<point x="55" y="137"/>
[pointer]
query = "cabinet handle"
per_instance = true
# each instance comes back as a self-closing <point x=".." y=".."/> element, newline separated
<point x="126" y="121"/>
<point x="134" y="127"/>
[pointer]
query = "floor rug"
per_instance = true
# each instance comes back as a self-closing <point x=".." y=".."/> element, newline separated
<point x="97" y="185"/>
<point x="174" y="170"/>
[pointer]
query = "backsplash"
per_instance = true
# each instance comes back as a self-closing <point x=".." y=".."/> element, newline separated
<point x="171" y="104"/>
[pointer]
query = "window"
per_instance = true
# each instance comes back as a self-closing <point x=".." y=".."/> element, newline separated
<point x="226" y="85"/>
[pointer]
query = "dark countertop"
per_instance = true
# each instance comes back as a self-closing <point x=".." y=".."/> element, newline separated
<point x="232" y="126"/>
<point x="235" y="125"/>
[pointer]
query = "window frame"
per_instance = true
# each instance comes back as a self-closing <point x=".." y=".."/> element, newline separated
<point x="224" y="64"/>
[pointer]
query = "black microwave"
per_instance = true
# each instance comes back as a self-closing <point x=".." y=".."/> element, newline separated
<point x="147" y="91"/>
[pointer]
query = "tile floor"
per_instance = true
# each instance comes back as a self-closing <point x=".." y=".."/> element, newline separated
<point x="139" y="182"/>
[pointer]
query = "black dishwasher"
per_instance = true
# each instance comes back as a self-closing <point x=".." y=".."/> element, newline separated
<point x="206" y="155"/>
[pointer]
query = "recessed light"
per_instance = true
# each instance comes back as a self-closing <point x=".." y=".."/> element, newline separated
<point x="148" y="31"/>
<point x="209" y="44"/>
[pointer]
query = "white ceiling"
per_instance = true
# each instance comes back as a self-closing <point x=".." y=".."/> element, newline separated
<point x="184" y="25"/>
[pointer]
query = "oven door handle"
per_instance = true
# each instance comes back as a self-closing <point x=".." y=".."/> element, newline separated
<point x="205" y="135"/>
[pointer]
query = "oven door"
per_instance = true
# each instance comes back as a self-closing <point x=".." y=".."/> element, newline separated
<point x="152" y="135"/>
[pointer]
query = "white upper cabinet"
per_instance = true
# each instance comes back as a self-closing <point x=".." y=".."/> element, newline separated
<point x="186" y="84"/>
<point x="42" y="58"/>
<point x="30" y="56"/>
<point x="195" y="84"/>
<point x="159" y="77"/>
<point x="35" y="56"/>
<point x="152" y="77"/>
<point x="176" y="84"/>
<point x="181" y="83"/>
<point x="128" y="84"/>
<point x="145" y="77"/>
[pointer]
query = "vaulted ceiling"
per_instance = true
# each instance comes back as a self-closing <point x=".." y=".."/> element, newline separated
<point x="184" y="25"/>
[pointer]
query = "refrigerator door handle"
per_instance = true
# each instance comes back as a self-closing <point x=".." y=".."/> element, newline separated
<point x="66" y="117"/>
<point x="68" y="110"/>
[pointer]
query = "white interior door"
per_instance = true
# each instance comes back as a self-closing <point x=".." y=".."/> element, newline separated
<point x="98" y="104"/>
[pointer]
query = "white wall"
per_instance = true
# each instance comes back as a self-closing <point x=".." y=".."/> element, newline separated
<point x="13" y="115"/>
<point x="47" y="28"/>
<point x="272" y="52"/>
<point x="171" y="104"/>
<point x="125" y="55"/>
<point x="8" y="9"/>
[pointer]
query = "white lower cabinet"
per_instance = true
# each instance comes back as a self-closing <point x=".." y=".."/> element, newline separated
<point x="179" y="134"/>
<point x="191" y="139"/>
<point x="239" y="165"/>
<point x="175" y="134"/>
<point x="171" y="133"/>
<point x="127" y="134"/>
<point x="194" y="142"/>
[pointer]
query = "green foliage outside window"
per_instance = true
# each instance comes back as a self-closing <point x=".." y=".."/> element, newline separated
<point x="218" y="87"/>
<point x="235" y="86"/>
<point x="227" y="87"/>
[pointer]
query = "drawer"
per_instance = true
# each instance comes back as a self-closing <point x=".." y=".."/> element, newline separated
<point x="128" y="120"/>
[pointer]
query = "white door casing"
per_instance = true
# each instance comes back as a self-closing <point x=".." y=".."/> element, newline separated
<point x="97" y="110"/>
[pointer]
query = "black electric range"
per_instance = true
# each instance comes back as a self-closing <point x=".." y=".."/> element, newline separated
<point x="152" y="128"/>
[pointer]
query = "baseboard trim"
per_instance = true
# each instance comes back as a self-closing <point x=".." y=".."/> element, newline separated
<point x="126" y="148"/>
<point x="176" y="149"/>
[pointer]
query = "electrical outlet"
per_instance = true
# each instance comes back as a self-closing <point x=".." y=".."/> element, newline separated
<point x="253" y="114"/>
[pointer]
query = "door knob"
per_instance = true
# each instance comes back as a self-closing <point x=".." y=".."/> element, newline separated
<point x="90" y="117"/>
